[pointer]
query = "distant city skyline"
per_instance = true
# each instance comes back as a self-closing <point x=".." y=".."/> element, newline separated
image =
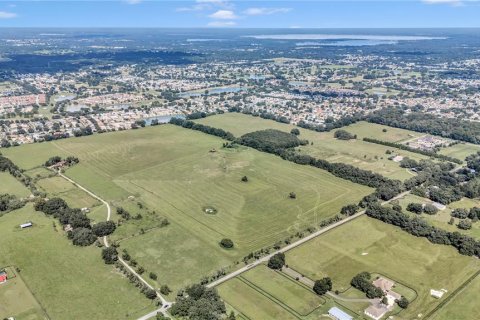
<point x="241" y="14"/>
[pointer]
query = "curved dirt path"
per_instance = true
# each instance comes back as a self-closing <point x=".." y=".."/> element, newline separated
<point x="165" y="304"/>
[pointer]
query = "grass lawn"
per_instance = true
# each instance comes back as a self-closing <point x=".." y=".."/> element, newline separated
<point x="291" y="293"/>
<point x="366" y="244"/>
<point x="462" y="306"/>
<point x="172" y="172"/>
<point x="69" y="282"/>
<point x="365" y="155"/>
<point x="10" y="185"/>
<point x="460" y="150"/>
<point x="75" y="197"/>
<point x="17" y="300"/>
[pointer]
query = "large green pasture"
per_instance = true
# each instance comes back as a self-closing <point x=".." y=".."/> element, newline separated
<point x="460" y="150"/>
<point x="365" y="155"/>
<point x="174" y="172"/>
<point x="463" y="306"/>
<point x="68" y="282"/>
<point x="17" y="300"/>
<point x="366" y="244"/>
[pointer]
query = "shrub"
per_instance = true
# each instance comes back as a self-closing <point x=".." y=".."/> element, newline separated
<point x="226" y="243"/>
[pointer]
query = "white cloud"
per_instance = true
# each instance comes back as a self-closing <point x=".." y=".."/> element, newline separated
<point x="223" y="15"/>
<point x="7" y="15"/>
<point x="221" y="24"/>
<point x="265" y="11"/>
<point x="202" y="5"/>
<point x="450" y="2"/>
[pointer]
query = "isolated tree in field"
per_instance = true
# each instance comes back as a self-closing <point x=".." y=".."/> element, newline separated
<point x="153" y="276"/>
<point x="277" y="261"/>
<point x="103" y="228"/>
<point x="292" y="195"/>
<point x="344" y="135"/>
<point x="465" y="224"/>
<point x="322" y="286"/>
<point x="150" y="294"/>
<point x="402" y="302"/>
<point x="295" y="131"/>
<point x="415" y="208"/>
<point x="109" y="255"/>
<point x="231" y="316"/>
<point x="165" y="290"/>
<point x="245" y="179"/>
<point x="226" y="243"/>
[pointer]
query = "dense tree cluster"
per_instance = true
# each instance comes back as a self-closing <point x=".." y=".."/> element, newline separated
<point x="362" y="282"/>
<point x="344" y="135"/>
<point x="9" y="203"/>
<point x="322" y="286"/>
<point x="418" y="227"/>
<point x="69" y="161"/>
<point x="82" y="234"/>
<point x="123" y="213"/>
<point x="270" y="140"/>
<point x="109" y="255"/>
<point x="402" y="302"/>
<point x="463" y="130"/>
<point x="277" y="261"/>
<point x="199" y="303"/>
<point x="104" y="228"/>
<point x="415" y="150"/>
<point x="350" y="209"/>
<point x="203" y="128"/>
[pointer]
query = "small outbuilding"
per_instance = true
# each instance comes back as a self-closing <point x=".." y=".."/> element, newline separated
<point x="339" y="314"/>
<point x="26" y="225"/>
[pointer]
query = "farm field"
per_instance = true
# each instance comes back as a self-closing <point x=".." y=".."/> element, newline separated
<point x="51" y="268"/>
<point x="460" y="150"/>
<point x="17" y="300"/>
<point x="370" y="245"/>
<point x="462" y="306"/>
<point x="365" y="155"/>
<point x="12" y="186"/>
<point x="442" y="217"/>
<point x="177" y="173"/>
<point x="59" y="187"/>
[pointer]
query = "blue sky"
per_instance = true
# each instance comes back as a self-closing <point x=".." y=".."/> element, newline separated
<point x="242" y="14"/>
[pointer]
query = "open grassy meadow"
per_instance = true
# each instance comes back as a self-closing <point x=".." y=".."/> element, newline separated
<point x="365" y="155"/>
<point x="463" y="306"/>
<point x="17" y="300"/>
<point x="10" y="185"/>
<point x="68" y="282"/>
<point x="366" y="244"/>
<point x="460" y="150"/>
<point x="180" y="174"/>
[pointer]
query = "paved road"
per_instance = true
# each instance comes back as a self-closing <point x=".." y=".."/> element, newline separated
<point x="295" y="244"/>
<point x="165" y="303"/>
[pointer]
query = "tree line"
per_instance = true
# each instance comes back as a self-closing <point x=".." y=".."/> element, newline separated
<point x="465" y="245"/>
<point x="203" y="128"/>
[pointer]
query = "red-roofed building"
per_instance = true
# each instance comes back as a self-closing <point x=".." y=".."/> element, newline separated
<point x="3" y="277"/>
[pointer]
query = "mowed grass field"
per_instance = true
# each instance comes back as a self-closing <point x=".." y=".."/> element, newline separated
<point x="10" y="185"/>
<point x="460" y="151"/>
<point x="173" y="171"/>
<point x="364" y="155"/>
<point x="462" y="306"/>
<point x="366" y="244"/>
<point x="17" y="300"/>
<point x="75" y="197"/>
<point x="68" y="282"/>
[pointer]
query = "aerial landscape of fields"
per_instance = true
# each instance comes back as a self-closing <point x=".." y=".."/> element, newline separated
<point x="239" y="160"/>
